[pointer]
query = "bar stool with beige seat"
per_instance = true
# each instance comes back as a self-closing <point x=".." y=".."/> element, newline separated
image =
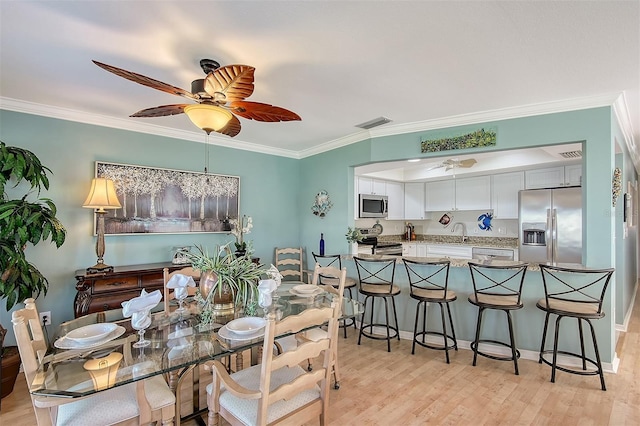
<point x="497" y="287"/>
<point x="429" y="281"/>
<point x="335" y="261"/>
<point x="574" y="293"/>
<point x="375" y="281"/>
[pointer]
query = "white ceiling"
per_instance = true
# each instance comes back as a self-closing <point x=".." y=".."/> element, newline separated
<point x="336" y="64"/>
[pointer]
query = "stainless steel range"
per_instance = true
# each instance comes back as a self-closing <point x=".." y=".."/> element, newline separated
<point x="377" y="247"/>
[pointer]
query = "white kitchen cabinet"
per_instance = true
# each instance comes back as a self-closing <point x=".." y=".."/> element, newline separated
<point x="395" y="192"/>
<point x="368" y="185"/>
<point x="504" y="194"/>
<point x="473" y="193"/>
<point x="554" y="177"/>
<point x="458" y="194"/>
<point x="409" y="249"/>
<point x="414" y="201"/>
<point x="440" y="196"/>
<point x="444" y="251"/>
<point x="421" y="250"/>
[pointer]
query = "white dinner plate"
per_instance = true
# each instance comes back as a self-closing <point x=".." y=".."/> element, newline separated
<point x="228" y="335"/>
<point x="91" y="333"/>
<point x="315" y="293"/>
<point x="305" y="288"/>
<point x="246" y="325"/>
<point x="65" y="343"/>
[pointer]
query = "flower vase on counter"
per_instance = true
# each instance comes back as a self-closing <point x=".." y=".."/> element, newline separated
<point x="354" y="249"/>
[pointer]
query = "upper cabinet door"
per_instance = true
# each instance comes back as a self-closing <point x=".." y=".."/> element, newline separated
<point x="504" y="194"/>
<point x="552" y="177"/>
<point x="414" y="200"/>
<point x="395" y="192"/>
<point x="573" y="175"/>
<point x="365" y="185"/>
<point x="440" y="196"/>
<point x="473" y="193"/>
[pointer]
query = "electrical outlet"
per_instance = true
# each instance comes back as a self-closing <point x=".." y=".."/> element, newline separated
<point x="45" y="318"/>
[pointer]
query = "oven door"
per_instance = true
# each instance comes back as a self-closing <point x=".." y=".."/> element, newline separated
<point x="391" y="250"/>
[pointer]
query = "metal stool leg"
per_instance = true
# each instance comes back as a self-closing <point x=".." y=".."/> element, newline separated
<point x="444" y="333"/>
<point x="595" y="347"/>
<point x="544" y="337"/>
<point x="555" y="350"/>
<point x="513" y="343"/>
<point x="477" y="339"/>
<point x="362" y="322"/>
<point x="584" y="356"/>
<point x="395" y="315"/>
<point x="453" y="331"/>
<point x="386" y="316"/>
<point x="415" y="329"/>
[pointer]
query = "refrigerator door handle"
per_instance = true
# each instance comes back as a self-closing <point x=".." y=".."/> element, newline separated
<point x="554" y="221"/>
<point x="549" y="236"/>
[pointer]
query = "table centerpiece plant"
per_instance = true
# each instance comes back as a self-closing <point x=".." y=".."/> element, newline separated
<point x="227" y="283"/>
<point x="241" y="227"/>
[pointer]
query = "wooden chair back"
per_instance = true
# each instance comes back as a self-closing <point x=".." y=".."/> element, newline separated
<point x="168" y="292"/>
<point x="330" y="274"/>
<point x="289" y="263"/>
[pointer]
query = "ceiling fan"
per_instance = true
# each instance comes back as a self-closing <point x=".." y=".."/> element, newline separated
<point x="452" y="163"/>
<point x="219" y="96"/>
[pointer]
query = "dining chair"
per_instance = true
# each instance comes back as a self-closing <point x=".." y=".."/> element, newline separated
<point x="574" y="293"/>
<point x="319" y="333"/>
<point x="289" y="263"/>
<point x="278" y="389"/>
<point x="168" y="295"/>
<point x="497" y="287"/>
<point x="143" y="402"/>
<point x="375" y="281"/>
<point x="335" y="261"/>
<point x="429" y="282"/>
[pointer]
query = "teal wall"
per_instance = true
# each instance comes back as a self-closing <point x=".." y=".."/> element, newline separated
<point x="278" y="192"/>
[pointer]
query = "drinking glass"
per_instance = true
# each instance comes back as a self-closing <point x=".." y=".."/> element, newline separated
<point x="141" y="321"/>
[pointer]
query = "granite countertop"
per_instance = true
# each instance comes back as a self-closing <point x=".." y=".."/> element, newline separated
<point x="497" y="242"/>
<point x="455" y="263"/>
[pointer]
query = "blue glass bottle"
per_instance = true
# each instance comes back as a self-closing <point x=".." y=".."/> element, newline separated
<point x="321" y="244"/>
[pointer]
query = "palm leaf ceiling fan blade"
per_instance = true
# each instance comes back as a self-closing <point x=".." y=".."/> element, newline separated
<point x="224" y="87"/>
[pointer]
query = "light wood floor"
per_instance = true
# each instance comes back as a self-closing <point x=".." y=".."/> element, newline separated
<point x="397" y="388"/>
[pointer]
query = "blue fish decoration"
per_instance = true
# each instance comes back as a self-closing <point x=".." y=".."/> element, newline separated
<point x="484" y="221"/>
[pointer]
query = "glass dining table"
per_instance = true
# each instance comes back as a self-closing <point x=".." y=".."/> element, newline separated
<point x="179" y="343"/>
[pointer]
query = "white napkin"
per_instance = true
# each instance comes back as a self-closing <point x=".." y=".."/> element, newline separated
<point x="275" y="274"/>
<point x="265" y="288"/>
<point x="180" y="282"/>
<point x="141" y="304"/>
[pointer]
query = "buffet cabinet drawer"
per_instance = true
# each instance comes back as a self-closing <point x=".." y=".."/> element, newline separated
<point x="106" y="291"/>
<point x="114" y="284"/>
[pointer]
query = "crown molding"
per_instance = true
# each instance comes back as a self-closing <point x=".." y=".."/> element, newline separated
<point x="134" y="126"/>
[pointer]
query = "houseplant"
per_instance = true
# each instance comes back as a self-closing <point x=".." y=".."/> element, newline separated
<point x="241" y="227"/>
<point x="354" y="236"/>
<point x="227" y="282"/>
<point x="22" y="222"/>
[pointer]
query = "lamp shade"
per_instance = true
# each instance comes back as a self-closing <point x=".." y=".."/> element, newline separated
<point x="102" y="195"/>
<point x="208" y="117"/>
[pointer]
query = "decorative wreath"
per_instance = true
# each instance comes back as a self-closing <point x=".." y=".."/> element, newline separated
<point x="617" y="185"/>
<point x="322" y="204"/>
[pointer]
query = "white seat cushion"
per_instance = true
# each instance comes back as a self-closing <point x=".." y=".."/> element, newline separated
<point x="103" y="408"/>
<point x="246" y="410"/>
<point x="158" y="393"/>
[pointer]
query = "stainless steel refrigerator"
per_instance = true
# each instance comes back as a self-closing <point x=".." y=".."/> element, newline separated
<point x="551" y="225"/>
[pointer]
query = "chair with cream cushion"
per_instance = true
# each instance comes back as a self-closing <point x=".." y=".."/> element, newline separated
<point x="319" y="333"/>
<point x="142" y="402"/>
<point x="349" y="283"/>
<point x="573" y="293"/>
<point x="278" y="389"/>
<point x="169" y="293"/>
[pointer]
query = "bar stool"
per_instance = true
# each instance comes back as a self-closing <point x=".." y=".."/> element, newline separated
<point x="375" y="280"/>
<point x="574" y="293"/>
<point x="497" y="287"/>
<point x="334" y="260"/>
<point x="429" y="281"/>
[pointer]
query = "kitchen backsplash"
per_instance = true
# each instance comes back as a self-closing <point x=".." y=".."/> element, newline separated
<point x="500" y="228"/>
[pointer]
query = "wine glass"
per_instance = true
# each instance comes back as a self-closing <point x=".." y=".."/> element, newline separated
<point x="180" y="294"/>
<point x="141" y="321"/>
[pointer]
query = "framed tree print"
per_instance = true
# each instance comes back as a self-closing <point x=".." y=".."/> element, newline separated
<point x="156" y="200"/>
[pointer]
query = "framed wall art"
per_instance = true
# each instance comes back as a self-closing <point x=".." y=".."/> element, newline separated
<point x="169" y="201"/>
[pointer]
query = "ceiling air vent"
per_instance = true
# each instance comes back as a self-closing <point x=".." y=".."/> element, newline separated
<point x="571" y="154"/>
<point x="374" y="123"/>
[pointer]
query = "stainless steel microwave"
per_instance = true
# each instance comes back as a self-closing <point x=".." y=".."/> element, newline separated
<point x="373" y="205"/>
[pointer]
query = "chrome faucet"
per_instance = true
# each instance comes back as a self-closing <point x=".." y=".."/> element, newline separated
<point x="464" y="230"/>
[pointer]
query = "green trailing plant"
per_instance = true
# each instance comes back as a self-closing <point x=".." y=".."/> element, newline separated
<point x="23" y="222"/>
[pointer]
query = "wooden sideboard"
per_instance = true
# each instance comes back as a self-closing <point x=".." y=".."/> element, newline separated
<point x="105" y="291"/>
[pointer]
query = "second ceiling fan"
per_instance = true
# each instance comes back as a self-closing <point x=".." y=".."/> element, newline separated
<point x="453" y="163"/>
<point x="220" y="95"/>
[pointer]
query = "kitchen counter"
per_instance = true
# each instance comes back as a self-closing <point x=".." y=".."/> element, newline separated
<point x="455" y="263"/>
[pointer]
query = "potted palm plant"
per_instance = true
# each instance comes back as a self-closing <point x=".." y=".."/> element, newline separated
<point x="22" y="222"/>
<point x="227" y="282"/>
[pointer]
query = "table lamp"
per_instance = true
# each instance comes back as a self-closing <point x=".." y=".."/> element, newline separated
<point x="102" y="195"/>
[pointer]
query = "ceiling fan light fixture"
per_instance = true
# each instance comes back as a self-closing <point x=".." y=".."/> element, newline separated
<point x="208" y="117"/>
